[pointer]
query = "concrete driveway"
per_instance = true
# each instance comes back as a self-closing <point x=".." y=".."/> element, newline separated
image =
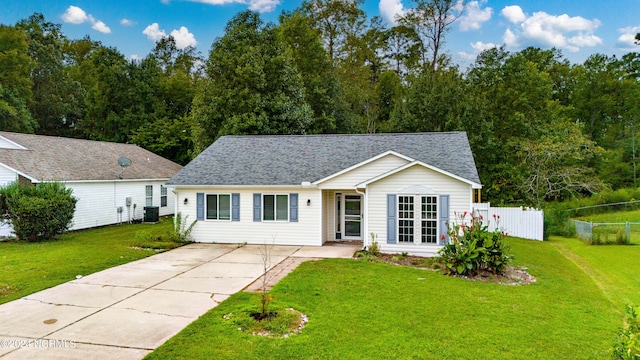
<point x="127" y="311"/>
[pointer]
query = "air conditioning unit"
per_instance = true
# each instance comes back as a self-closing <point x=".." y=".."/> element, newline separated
<point x="151" y="214"/>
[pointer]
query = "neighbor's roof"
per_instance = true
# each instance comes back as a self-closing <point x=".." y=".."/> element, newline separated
<point x="293" y="159"/>
<point x="47" y="158"/>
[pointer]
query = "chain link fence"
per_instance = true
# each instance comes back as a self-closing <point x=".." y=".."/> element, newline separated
<point x="607" y="233"/>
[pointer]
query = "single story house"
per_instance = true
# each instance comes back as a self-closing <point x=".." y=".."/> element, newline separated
<point x="107" y="192"/>
<point x="399" y="190"/>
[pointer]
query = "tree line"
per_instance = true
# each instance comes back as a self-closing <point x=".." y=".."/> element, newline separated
<point x="540" y="127"/>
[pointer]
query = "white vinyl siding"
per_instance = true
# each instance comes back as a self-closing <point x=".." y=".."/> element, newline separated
<point x="363" y="173"/>
<point x="98" y="202"/>
<point x="7" y="176"/>
<point x="306" y="231"/>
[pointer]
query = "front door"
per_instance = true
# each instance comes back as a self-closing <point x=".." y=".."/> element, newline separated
<point x="352" y="217"/>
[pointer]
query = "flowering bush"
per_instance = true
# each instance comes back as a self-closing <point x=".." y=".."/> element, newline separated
<point x="473" y="248"/>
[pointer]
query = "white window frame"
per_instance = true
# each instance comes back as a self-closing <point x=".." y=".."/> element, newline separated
<point x="416" y="216"/>
<point x="148" y="192"/>
<point x="206" y="207"/>
<point x="163" y="196"/>
<point x="275" y="208"/>
<point x="406" y="219"/>
<point x="429" y="216"/>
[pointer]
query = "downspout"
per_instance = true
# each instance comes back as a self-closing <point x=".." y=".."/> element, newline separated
<point x="365" y="218"/>
<point x="175" y="207"/>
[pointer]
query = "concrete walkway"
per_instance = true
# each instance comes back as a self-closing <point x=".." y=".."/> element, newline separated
<point x="127" y="311"/>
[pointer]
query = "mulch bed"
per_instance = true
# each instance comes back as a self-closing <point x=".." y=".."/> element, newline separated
<point x="511" y="275"/>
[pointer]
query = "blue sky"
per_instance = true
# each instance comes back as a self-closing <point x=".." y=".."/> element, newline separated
<point x="578" y="28"/>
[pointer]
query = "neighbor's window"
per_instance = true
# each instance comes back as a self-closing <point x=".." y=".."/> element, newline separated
<point x="218" y="207"/>
<point x="163" y="196"/>
<point x="275" y="207"/>
<point x="149" y="195"/>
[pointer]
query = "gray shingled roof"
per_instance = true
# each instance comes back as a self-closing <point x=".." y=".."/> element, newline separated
<point x="293" y="159"/>
<point x="65" y="159"/>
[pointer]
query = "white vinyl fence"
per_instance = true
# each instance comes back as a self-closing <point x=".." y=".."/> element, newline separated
<point x="526" y="223"/>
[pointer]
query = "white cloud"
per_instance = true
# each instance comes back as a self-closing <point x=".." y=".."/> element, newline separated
<point x="510" y="39"/>
<point x="255" y="5"/>
<point x="263" y="5"/>
<point x="475" y="16"/>
<point x="478" y="47"/>
<point x="514" y="14"/>
<point x="627" y="40"/>
<point x="75" y="15"/>
<point x="390" y="10"/>
<point x="100" y="26"/>
<point x="127" y="22"/>
<point x="182" y="36"/>
<point x="546" y="30"/>
<point x="154" y="33"/>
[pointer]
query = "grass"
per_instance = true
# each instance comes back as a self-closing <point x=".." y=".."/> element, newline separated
<point x="30" y="267"/>
<point x="614" y="217"/>
<point x="359" y="309"/>
<point x="614" y="269"/>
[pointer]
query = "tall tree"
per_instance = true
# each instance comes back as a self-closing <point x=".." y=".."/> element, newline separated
<point x="173" y="77"/>
<point x="252" y="85"/>
<point x="323" y="91"/>
<point x="57" y="97"/>
<point x="15" y="81"/>
<point x="436" y="101"/>
<point x="338" y="21"/>
<point x="431" y="20"/>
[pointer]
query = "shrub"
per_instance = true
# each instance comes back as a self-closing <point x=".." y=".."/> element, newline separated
<point x="181" y="231"/>
<point x="627" y="344"/>
<point x="474" y="248"/>
<point x="38" y="212"/>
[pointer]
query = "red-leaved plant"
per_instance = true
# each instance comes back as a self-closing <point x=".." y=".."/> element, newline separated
<point x="473" y="248"/>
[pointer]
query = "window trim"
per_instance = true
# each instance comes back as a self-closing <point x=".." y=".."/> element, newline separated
<point x="424" y="233"/>
<point x="163" y="196"/>
<point x="148" y="195"/>
<point x="410" y="208"/>
<point x="206" y="207"/>
<point x="275" y="208"/>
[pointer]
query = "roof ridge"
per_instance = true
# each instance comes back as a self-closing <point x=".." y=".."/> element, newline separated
<point x="345" y="135"/>
<point x="9" y="133"/>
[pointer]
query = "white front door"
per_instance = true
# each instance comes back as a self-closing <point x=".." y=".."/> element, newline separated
<point x="352" y="217"/>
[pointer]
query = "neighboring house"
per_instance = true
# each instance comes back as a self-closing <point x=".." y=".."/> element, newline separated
<point x="107" y="193"/>
<point x="397" y="189"/>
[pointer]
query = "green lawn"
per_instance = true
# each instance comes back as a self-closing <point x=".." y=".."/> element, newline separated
<point x="614" y="217"/>
<point x="30" y="267"/>
<point x="358" y="309"/>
